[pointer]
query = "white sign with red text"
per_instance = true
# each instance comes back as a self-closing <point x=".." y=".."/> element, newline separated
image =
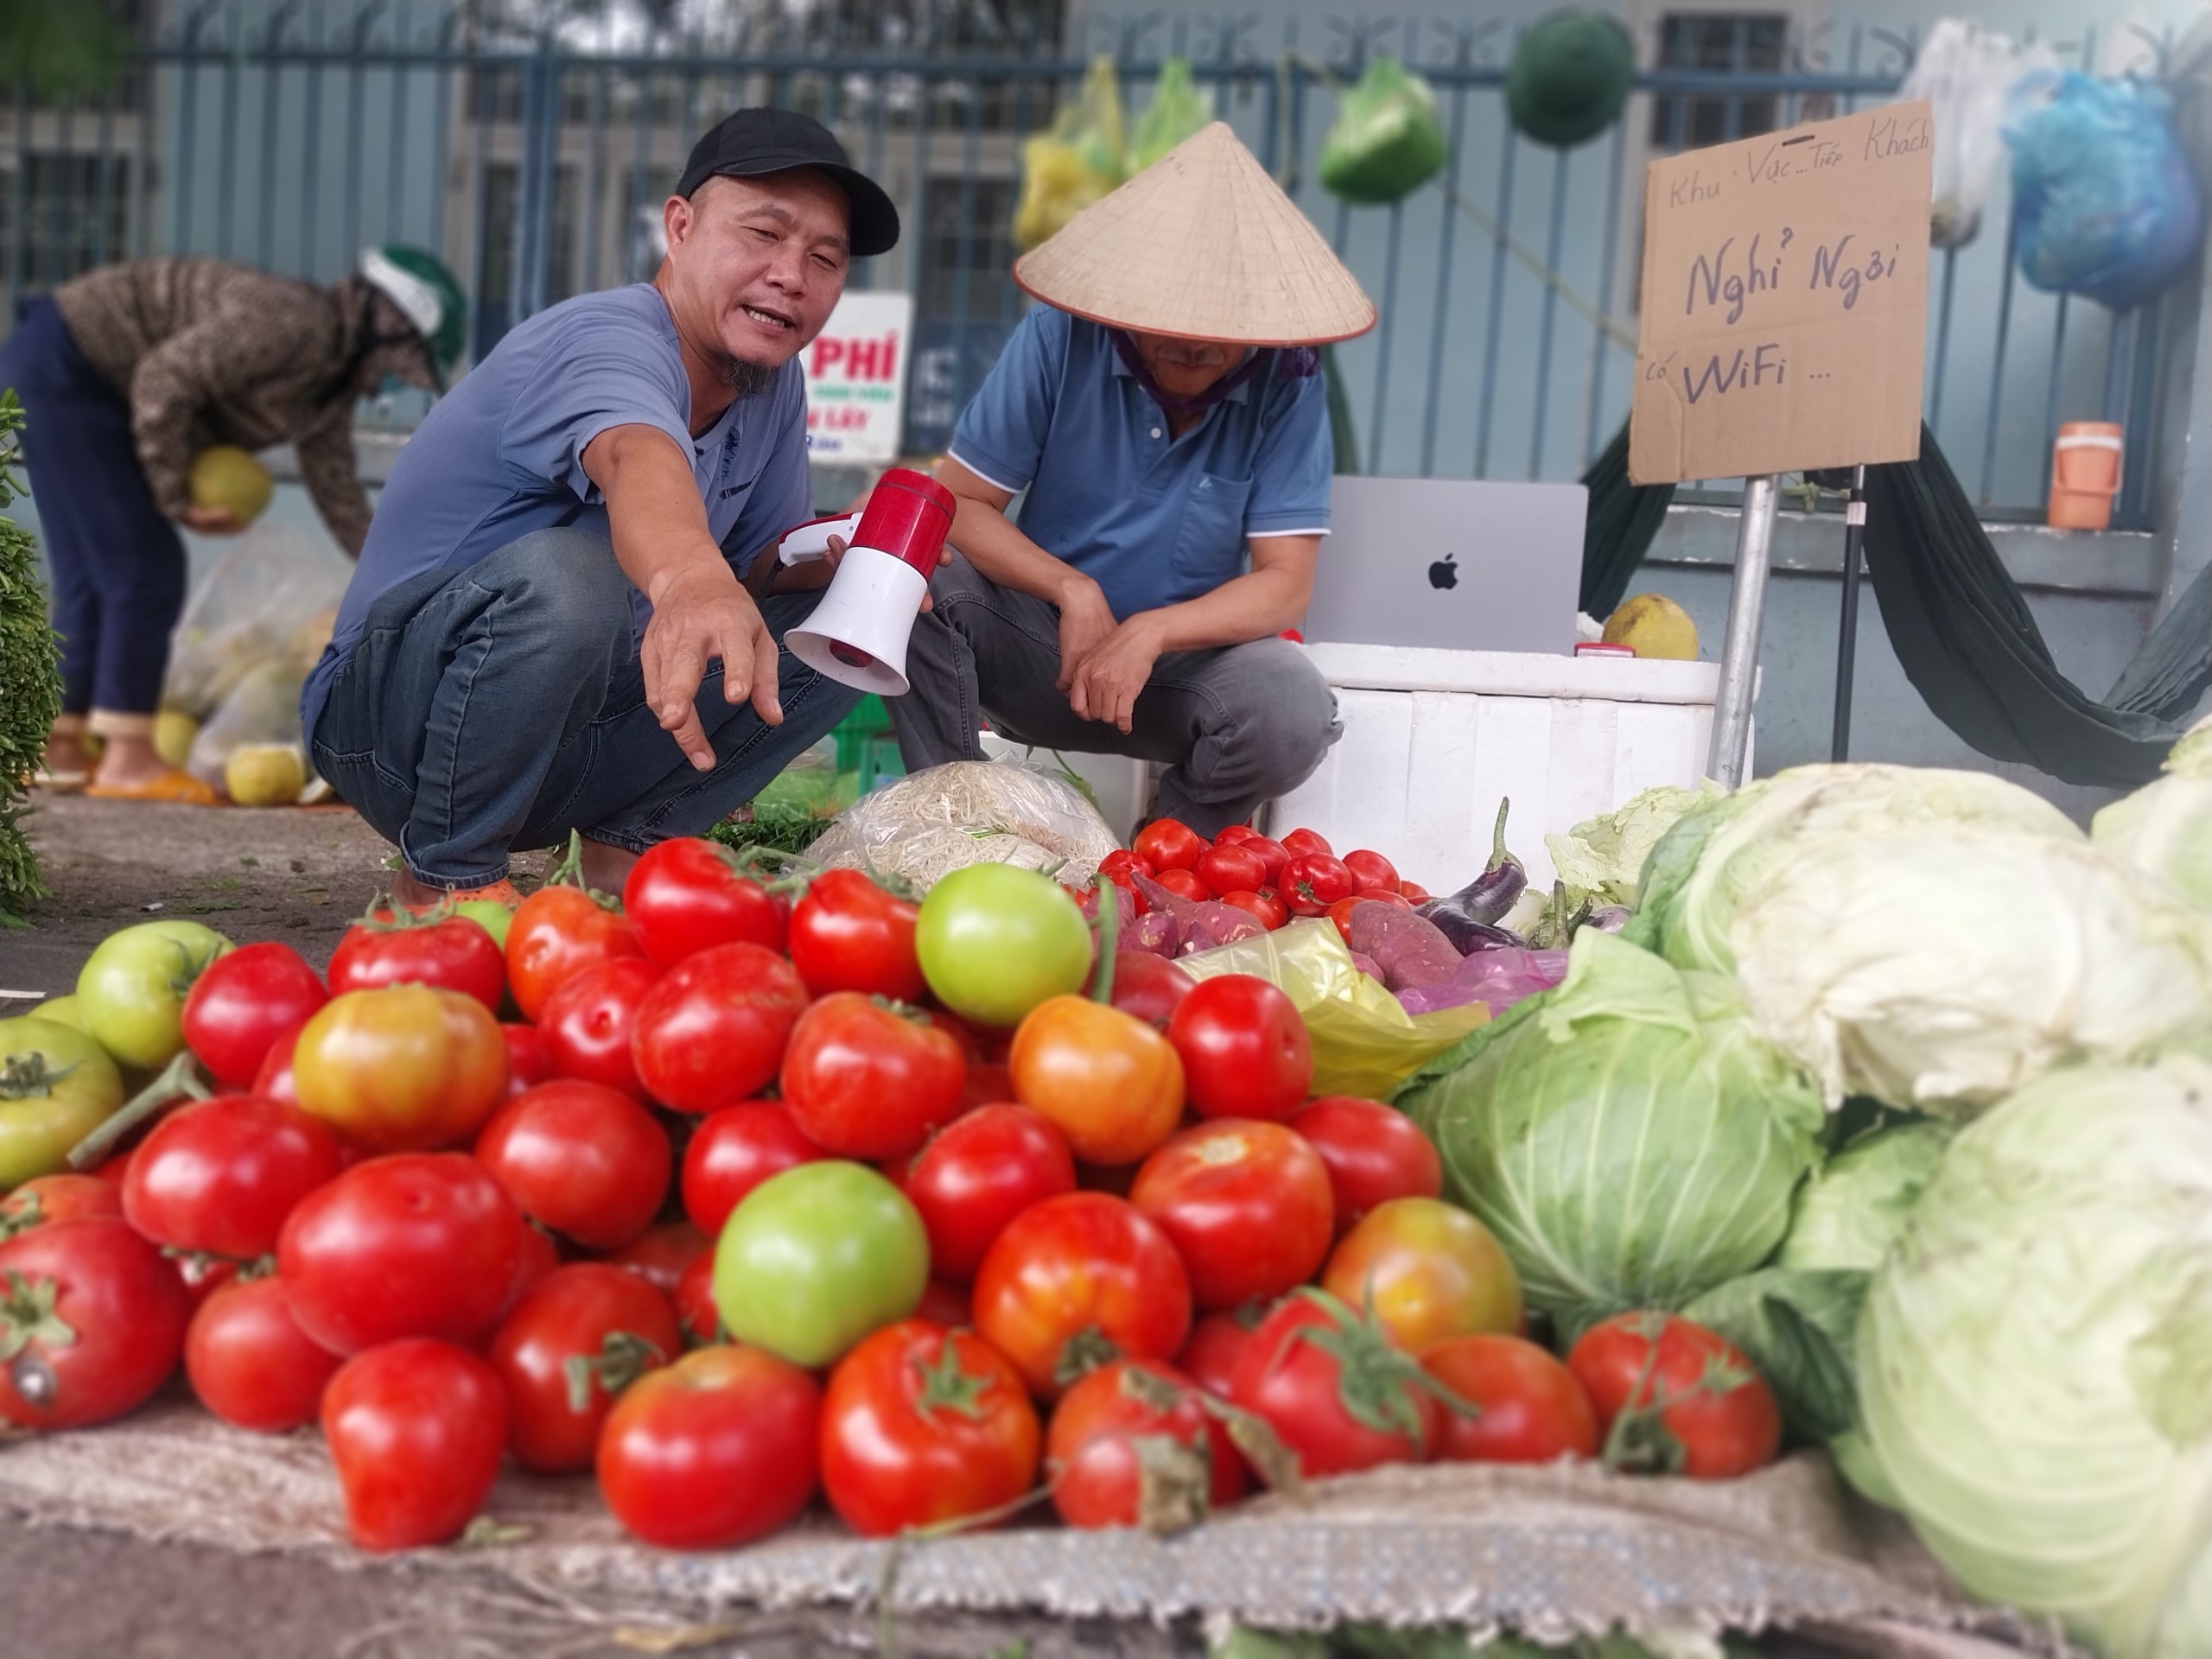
<point x="856" y="379"/>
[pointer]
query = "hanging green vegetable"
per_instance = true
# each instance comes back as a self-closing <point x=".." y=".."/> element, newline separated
<point x="1178" y="109"/>
<point x="1386" y="142"/>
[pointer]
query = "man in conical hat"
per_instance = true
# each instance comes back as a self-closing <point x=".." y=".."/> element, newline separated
<point x="1164" y="412"/>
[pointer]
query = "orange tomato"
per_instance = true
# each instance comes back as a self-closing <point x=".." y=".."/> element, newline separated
<point x="1111" y="1083"/>
<point x="1430" y="1271"/>
<point x="405" y="1068"/>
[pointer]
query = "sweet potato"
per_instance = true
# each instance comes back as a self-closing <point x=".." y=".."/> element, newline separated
<point x="1411" y="951"/>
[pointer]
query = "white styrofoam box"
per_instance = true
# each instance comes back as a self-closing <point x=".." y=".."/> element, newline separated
<point x="1433" y="739"/>
<point x="1123" y="785"/>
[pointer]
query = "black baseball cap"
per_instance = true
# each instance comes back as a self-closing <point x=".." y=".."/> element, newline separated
<point x="755" y="142"/>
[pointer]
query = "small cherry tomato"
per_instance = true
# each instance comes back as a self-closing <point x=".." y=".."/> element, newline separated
<point x="1528" y="1407"/>
<point x="922" y="1424"/>
<point x="1076" y="1281"/>
<point x="221" y="1175"/>
<point x="1426" y="1271"/>
<point x="415" y="1429"/>
<point x="1119" y="864"/>
<point x="866" y="1079"/>
<point x="1304" y="843"/>
<point x="1168" y="845"/>
<point x="557" y="933"/>
<point x="242" y="1002"/>
<point x="1371" y="869"/>
<point x="250" y="1363"/>
<point x="567" y="1351"/>
<point x="717" y="1450"/>
<point x="1312" y="882"/>
<point x="847" y="934"/>
<point x="713" y="1029"/>
<point x="1412" y="892"/>
<point x="450" y="952"/>
<point x="1673" y="1396"/>
<point x="1110" y="1083"/>
<point x="1231" y="869"/>
<point x="579" y="1159"/>
<point x="1244" y="1049"/>
<point x="1103" y="1474"/>
<point x="1373" y="1154"/>
<point x="588" y="1022"/>
<point x="977" y="1174"/>
<point x="688" y="894"/>
<point x="732" y="1152"/>
<point x="1245" y="1204"/>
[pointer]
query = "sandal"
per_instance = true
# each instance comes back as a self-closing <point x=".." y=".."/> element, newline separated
<point x="180" y="787"/>
<point x="500" y="891"/>
<point x="65" y="781"/>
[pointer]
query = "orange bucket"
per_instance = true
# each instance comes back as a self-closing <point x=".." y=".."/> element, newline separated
<point x="2085" y="474"/>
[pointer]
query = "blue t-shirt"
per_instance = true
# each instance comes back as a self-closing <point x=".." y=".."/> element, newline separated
<point x="1151" y="522"/>
<point x="502" y="454"/>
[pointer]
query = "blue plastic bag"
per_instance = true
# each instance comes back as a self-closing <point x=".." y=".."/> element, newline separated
<point x="2104" y="203"/>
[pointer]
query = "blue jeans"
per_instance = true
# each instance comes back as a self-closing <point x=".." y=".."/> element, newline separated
<point x="502" y="706"/>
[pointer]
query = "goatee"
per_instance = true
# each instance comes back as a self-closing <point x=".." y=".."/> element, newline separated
<point x="749" y="380"/>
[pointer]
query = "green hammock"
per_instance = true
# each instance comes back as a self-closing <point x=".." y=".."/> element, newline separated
<point x="1958" y="624"/>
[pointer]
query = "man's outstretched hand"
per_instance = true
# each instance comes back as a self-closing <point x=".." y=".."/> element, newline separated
<point x="702" y="613"/>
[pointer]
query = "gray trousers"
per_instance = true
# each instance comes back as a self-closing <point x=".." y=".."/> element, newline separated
<point x="1234" y="727"/>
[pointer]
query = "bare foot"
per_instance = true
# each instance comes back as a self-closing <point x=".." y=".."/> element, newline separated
<point x="605" y="868"/>
<point x="64" y="752"/>
<point x="129" y="762"/>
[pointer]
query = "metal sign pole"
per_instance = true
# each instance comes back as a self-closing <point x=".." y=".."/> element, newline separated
<point x="1739" y="656"/>
<point x="1847" y="644"/>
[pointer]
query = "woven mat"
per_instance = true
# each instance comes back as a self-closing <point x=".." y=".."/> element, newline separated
<point x="1548" y="1552"/>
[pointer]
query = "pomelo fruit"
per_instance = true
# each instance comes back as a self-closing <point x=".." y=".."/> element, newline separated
<point x="174" y="731"/>
<point x="264" y="774"/>
<point x="1651" y="625"/>
<point x="224" y="475"/>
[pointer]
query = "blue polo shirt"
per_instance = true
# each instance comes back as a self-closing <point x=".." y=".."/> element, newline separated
<point x="1153" y="521"/>
<point x="501" y="454"/>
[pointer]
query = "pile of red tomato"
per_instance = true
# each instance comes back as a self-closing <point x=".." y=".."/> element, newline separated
<point x="744" y="1202"/>
<point x="1275" y="882"/>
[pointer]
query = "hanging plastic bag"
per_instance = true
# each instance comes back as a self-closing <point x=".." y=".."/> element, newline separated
<point x="1965" y="74"/>
<point x="1178" y="109"/>
<point x="1386" y="142"/>
<point x="1080" y="158"/>
<point x="1364" y="1042"/>
<point x="2104" y="203"/>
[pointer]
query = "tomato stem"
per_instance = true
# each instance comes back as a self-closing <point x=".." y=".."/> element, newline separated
<point x="178" y="1080"/>
<point x="26" y="1315"/>
<point x="1109" y="932"/>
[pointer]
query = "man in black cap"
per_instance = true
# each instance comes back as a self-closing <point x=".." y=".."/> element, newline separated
<point x="568" y="613"/>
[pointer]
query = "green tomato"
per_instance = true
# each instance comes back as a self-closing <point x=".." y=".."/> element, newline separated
<point x="490" y="915"/>
<point x="994" y="940"/>
<point x="57" y="1085"/>
<point x="63" y="1010"/>
<point x="131" y="993"/>
<point x="814" y="1259"/>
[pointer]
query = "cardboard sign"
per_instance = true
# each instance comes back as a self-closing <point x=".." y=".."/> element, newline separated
<point x="1785" y="301"/>
<point x="856" y="379"/>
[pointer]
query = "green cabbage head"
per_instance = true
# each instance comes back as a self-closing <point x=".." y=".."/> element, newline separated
<point x="1942" y="967"/>
<point x="2035" y="1357"/>
<point x="1850" y="1213"/>
<point x="1700" y="871"/>
<point x="2165" y="828"/>
<point x="1628" y="1136"/>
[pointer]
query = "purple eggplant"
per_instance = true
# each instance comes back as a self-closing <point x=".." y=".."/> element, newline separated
<point x="1469" y="917"/>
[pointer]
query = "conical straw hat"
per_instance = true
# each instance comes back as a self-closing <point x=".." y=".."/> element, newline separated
<point x="1204" y="245"/>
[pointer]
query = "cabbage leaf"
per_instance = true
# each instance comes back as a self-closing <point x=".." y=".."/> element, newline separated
<point x="1851" y="1211"/>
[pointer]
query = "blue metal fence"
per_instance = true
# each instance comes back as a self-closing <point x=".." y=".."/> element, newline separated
<point x="287" y="135"/>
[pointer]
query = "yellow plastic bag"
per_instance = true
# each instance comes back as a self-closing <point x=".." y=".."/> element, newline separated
<point x="1080" y="158"/>
<point x="1364" y="1042"/>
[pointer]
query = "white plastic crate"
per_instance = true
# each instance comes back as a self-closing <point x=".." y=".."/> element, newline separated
<point x="1433" y="739"/>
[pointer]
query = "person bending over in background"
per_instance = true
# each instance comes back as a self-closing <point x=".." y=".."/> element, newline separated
<point x="127" y="372"/>
<point x="1171" y="429"/>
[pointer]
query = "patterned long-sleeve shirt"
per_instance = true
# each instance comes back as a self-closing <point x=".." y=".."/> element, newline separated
<point x="210" y="352"/>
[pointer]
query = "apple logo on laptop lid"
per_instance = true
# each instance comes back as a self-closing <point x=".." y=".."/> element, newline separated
<point x="1445" y="573"/>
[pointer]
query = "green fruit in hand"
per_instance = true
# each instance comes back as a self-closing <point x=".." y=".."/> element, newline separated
<point x="131" y="993"/>
<point x="994" y="940"/>
<point x="57" y="1085"/>
<point x="814" y="1259"/>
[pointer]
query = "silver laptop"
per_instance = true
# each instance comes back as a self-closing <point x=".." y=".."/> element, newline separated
<point x="1457" y="563"/>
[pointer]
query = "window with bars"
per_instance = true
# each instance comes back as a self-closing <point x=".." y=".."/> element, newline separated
<point x="60" y="214"/>
<point x="1721" y="42"/>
